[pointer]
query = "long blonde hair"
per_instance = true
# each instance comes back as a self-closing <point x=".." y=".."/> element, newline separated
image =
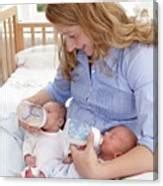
<point x="106" y="24"/>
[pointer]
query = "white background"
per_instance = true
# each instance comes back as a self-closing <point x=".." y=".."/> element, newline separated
<point x="41" y="182"/>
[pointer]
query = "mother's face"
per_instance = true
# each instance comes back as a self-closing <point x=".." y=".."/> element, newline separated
<point x="75" y="38"/>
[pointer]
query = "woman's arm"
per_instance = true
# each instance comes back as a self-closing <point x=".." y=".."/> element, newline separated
<point x="136" y="161"/>
<point x="58" y="90"/>
<point x="40" y="97"/>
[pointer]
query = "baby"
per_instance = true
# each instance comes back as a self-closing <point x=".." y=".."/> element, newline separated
<point x="44" y="151"/>
<point x="41" y="146"/>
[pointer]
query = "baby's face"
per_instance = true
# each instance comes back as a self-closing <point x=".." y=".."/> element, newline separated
<point x="52" y="124"/>
<point x="116" y="142"/>
<point x="55" y="119"/>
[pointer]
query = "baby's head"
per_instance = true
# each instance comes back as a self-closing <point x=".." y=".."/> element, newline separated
<point x="117" y="141"/>
<point x="55" y="116"/>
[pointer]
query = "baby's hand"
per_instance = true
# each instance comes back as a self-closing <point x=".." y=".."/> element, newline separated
<point x="68" y="159"/>
<point x="50" y="107"/>
<point x="27" y="127"/>
<point x="30" y="160"/>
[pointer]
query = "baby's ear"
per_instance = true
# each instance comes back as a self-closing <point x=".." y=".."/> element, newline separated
<point x="60" y="122"/>
<point x="116" y="154"/>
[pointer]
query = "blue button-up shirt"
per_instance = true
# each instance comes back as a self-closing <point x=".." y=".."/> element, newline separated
<point x="117" y="90"/>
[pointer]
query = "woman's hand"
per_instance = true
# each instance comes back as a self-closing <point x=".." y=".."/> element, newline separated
<point x="86" y="161"/>
<point x="28" y="127"/>
<point x="39" y="98"/>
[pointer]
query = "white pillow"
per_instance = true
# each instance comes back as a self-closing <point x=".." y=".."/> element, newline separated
<point x="38" y="57"/>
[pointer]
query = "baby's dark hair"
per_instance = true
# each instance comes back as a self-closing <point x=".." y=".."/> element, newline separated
<point x="65" y="116"/>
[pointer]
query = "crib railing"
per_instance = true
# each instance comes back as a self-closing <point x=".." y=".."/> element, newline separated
<point x="31" y="34"/>
<point x="8" y="37"/>
<point x="16" y="36"/>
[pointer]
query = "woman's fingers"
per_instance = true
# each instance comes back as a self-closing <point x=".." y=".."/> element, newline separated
<point x="87" y="148"/>
<point x="90" y="141"/>
<point x="85" y="161"/>
<point x="73" y="150"/>
<point x="28" y="127"/>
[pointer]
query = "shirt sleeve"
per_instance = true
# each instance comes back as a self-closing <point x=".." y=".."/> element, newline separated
<point x="140" y="79"/>
<point x="59" y="90"/>
<point x="29" y="143"/>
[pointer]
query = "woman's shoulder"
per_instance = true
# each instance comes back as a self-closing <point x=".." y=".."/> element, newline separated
<point x="137" y="62"/>
<point x="130" y="53"/>
<point x="138" y="49"/>
<point x="138" y="55"/>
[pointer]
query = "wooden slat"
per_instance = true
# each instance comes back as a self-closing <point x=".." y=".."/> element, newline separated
<point x="55" y="36"/>
<point x="34" y="25"/>
<point x="3" y="57"/>
<point x="43" y="36"/>
<point x="6" y="13"/>
<point x="33" y="31"/>
<point x="9" y="46"/>
<point x="32" y="36"/>
<point x="14" y="40"/>
<point x="8" y="19"/>
<point x="19" y="37"/>
<point x="5" y="49"/>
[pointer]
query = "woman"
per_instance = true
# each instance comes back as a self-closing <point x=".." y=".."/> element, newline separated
<point x="107" y="69"/>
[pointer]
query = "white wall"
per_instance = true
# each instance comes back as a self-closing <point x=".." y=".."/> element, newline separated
<point x="132" y="7"/>
<point x="28" y="13"/>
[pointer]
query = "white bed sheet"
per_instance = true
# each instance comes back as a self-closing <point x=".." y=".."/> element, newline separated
<point x="23" y="83"/>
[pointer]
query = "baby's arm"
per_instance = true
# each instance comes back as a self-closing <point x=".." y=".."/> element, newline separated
<point x="68" y="159"/>
<point x="28" y="147"/>
<point x="50" y="107"/>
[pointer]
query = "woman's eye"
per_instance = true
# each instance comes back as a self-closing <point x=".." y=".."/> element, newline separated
<point x="72" y="36"/>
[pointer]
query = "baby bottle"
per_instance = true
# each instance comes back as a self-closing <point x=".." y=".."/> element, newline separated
<point x="78" y="133"/>
<point x="31" y="114"/>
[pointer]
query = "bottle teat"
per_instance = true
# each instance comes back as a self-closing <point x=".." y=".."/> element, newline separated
<point x="97" y="137"/>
